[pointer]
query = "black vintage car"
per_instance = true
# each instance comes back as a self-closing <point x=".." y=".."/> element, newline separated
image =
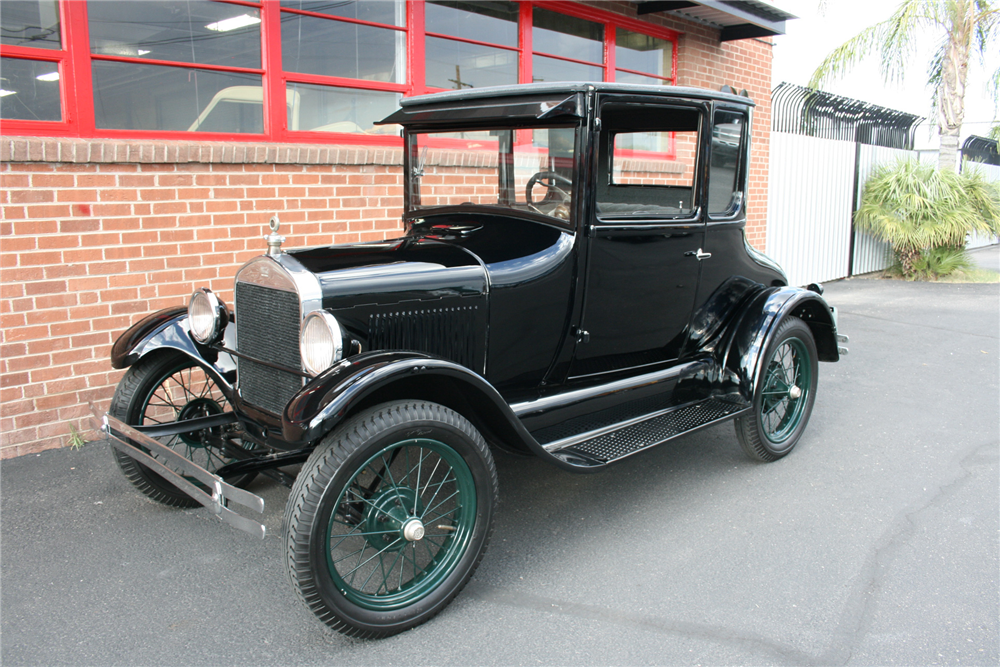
<point x="574" y="283"/>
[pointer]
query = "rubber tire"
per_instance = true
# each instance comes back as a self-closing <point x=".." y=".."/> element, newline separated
<point x="141" y="379"/>
<point x="749" y="430"/>
<point x="318" y="487"/>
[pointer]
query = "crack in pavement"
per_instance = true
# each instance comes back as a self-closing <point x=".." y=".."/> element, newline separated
<point x="855" y="618"/>
<point x="775" y="650"/>
<point x="858" y="610"/>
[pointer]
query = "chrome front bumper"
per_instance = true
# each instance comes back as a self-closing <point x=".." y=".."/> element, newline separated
<point x="182" y="473"/>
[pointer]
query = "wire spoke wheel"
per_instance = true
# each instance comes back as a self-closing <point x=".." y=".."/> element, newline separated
<point x="167" y="388"/>
<point x="402" y="523"/>
<point x="784" y="395"/>
<point x="390" y="517"/>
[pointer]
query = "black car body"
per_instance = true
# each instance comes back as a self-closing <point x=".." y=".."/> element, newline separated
<point x="574" y="283"/>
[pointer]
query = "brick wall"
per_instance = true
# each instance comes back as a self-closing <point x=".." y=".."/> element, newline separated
<point x="96" y="233"/>
<point x="88" y="247"/>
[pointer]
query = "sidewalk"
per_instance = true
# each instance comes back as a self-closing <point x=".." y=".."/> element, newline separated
<point x="987" y="257"/>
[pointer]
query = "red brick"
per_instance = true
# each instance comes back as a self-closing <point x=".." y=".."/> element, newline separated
<point x="31" y="196"/>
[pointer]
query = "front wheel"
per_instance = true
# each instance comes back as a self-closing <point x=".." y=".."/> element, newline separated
<point x="170" y="387"/>
<point x="784" y="394"/>
<point x="389" y="518"/>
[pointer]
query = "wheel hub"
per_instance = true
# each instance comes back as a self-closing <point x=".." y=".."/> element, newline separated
<point x="199" y="407"/>
<point x="794" y="392"/>
<point x="392" y="520"/>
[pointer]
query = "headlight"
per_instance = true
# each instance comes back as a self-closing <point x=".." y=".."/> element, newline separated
<point x="321" y="342"/>
<point x="207" y="316"/>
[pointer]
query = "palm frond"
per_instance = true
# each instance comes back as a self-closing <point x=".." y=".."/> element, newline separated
<point x="915" y="206"/>
<point x="893" y="39"/>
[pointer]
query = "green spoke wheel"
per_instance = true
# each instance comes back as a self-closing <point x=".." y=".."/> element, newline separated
<point x="165" y="388"/>
<point x="389" y="518"/>
<point x="784" y="393"/>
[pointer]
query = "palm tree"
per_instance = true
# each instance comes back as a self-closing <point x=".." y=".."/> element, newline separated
<point x="967" y="28"/>
<point x="916" y="208"/>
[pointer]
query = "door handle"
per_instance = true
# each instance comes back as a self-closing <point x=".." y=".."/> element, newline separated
<point x="698" y="254"/>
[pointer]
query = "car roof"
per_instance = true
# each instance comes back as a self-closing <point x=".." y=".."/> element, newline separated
<point x="568" y="88"/>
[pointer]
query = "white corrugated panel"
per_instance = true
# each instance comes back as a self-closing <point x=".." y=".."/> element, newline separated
<point x="809" y="206"/>
<point x="869" y="253"/>
<point x="992" y="172"/>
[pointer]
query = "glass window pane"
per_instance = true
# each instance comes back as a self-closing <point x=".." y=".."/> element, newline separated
<point x="192" y="32"/>
<point x="459" y="65"/>
<point x="34" y="24"/>
<point x="388" y="12"/>
<point x="643" y="53"/>
<point x="629" y="77"/>
<point x="333" y="48"/>
<point x="494" y="22"/>
<point x="150" y="97"/>
<point x="562" y="35"/>
<point x="25" y="96"/>
<point x="326" y="109"/>
<point x="552" y="69"/>
<point x="648" y="159"/>
<point x="489" y="168"/>
<point x="727" y="142"/>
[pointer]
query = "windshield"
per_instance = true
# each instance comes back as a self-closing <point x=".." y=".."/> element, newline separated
<point x="523" y="169"/>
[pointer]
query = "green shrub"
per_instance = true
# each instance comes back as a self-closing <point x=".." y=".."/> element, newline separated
<point x="916" y="207"/>
<point x="942" y="261"/>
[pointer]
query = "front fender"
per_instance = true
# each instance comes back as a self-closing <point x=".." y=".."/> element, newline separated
<point x="376" y="377"/>
<point x="168" y="329"/>
<point x="760" y="321"/>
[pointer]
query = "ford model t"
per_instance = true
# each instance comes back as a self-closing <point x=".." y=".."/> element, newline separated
<point x="574" y="283"/>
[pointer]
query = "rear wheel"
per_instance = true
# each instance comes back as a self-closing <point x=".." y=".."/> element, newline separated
<point x="389" y="518"/>
<point x="164" y="388"/>
<point x="784" y="394"/>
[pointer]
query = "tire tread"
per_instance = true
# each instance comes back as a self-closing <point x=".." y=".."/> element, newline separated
<point x="318" y="472"/>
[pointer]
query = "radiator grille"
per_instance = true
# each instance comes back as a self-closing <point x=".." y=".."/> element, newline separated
<point x="267" y="328"/>
<point x="444" y="332"/>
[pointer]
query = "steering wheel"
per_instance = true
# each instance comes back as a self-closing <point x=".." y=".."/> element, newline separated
<point x="553" y="178"/>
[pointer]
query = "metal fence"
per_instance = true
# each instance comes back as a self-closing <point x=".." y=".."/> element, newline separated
<point x="991" y="172"/>
<point x="823" y="149"/>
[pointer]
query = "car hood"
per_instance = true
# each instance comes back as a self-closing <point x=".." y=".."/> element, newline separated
<point x="398" y="270"/>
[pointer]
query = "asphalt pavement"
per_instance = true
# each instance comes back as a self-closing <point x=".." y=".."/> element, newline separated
<point x="874" y="543"/>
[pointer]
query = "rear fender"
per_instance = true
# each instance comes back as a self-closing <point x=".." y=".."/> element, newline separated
<point x="376" y="377"/>
<point x="168" y="330"/>
<point x="761" y="320"/>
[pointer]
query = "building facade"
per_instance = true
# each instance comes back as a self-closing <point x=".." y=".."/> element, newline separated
<point x="146" y="144"/>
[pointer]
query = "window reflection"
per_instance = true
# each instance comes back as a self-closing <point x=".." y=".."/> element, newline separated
<point x="494" y="22"/>
<point x="32" y="24"/>
<point x="459" y="65"/>
<point x="150" y="97"/>
<point x="191" y="32"/>
<point x="311" y="45"/>
<point x="564" y="35"/>
<point x="553" y="69"/>
<point x="326" y="109"/>
<point x="388" y="12"/>
<point x="29" y="90"/>
<point x="643" y="53"/>
<point x="727" y="148"/>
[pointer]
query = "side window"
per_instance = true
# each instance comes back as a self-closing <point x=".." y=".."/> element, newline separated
<point x="729" y="136"/>
<point x="648" y="158"/>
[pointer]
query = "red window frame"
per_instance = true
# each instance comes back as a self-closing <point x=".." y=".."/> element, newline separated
<point x="76" y="88"/>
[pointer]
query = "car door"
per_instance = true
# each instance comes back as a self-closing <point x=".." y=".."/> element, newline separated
<point x="645" y="235"/>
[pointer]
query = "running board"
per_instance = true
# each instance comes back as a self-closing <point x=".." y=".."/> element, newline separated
<point x="617" y="441"/>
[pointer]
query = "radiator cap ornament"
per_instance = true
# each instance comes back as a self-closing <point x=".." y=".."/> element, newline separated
<point x="274" y="240"/>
